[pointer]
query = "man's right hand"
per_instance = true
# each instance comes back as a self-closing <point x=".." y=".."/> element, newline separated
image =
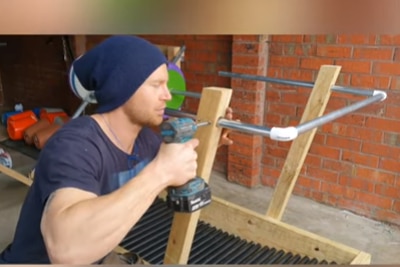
<point x="177" y="162"/>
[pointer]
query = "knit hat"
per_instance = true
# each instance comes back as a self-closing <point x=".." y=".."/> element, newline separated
<point x="116" y="68"/>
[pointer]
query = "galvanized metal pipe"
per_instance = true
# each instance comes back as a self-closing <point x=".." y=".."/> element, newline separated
<point x="289" y="133"/>
<point x="295" y="83"/>
<point x="185" y="93"/>
<point x="179" y="54"/>
<point x="304" y="127"/>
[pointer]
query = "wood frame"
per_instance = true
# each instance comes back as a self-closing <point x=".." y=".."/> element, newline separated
<point x="265" y="229"/>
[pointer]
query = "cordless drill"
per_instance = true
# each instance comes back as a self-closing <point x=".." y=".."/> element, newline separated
<point x="196" y="193"/>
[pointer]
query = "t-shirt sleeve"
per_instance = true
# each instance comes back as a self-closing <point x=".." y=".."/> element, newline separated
<point x="69" y="161"/>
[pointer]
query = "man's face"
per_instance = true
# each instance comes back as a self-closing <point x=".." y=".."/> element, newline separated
<point x="146" y="106"/>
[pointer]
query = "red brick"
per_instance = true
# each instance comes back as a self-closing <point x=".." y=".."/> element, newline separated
<point x="314" y="63"/>
<point x="324" y="151"/>
<point x="352" y="118"/>
<point x="357" y="183"/>
<point x="389" y="164"/>
<point x="298" y="75"/>
<point x="385" y="39"/>
<point x="373" y="53"/>
<point x="356" y="39"/>
<point x="323" y="174"/>
<point x="295" y="99"/>
<point x="392" y="111"/>
<point x="336" y="103"/>
<point x="375" y="175"/>
<point x="371" y="133"/>
<point x="246" y="139"/>
<point x="361" y="159"/>
<point x="248" y="70"/>
<point x="246" y="48"/>
<point x="396" y="206"/>
<point x="334" y="51"/>
<point x="304" y="50"/>
<point x="247" y="60"/>
<point x="374" y="200"/>
<point x="203" y="56"/>
<point x="381" y="150"/>
<point x="281" y="109"/>
<point x="389" y="68"/>
<point x="342" y="142"/>
<point x="371" y="82"/>
<point x="314" y="161"/>
<point x="396" y="54"/>
<point x="284" y="61"/>
<point x="353" y="66"/>
<point x="332" y="188"/>
<point x="287" y="38"/>
<point x="309" y="183"/>
<point x="320" y="38"/>
<point x="382" y="124"/>
<point x="387" y="191"/>
<point x="270" y="175"/>
<point x="276" y="152"/>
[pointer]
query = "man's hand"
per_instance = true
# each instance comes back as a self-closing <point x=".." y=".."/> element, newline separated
<point x="225" y="140"/>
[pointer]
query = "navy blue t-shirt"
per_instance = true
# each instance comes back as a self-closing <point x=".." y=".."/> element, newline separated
<point x="78" y="155"/>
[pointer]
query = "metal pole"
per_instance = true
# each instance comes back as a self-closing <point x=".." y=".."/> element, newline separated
<point x="179" y="55"/>
<point x="286" y="133"/>
<point x="295" y="83"/>
<point x="304" y="127"/>
<point x="244" y="127"/>
<point x="80" y="109"/>
<point x="185" y="93"/>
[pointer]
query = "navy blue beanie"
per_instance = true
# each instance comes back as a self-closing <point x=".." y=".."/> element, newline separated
<point x="115" y="69"/>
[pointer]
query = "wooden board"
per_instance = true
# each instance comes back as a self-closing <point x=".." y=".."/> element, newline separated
<point x="299" y="148"/>
<point x="213" y="105"/>
<point x="266" y="231"/>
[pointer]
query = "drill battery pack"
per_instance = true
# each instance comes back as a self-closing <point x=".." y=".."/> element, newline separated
<point x="188" y="200"/>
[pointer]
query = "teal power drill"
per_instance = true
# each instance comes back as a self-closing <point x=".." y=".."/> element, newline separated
<point x="195" y="194"/>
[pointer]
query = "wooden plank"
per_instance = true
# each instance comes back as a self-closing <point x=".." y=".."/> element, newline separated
<point x="315" y="107"/>
<point x="362" y="258"/>
<point x="16" y="175"/>
<point x="252" y="226"/>
<point x="213" y="104"/>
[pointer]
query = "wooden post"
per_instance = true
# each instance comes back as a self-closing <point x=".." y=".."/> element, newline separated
<point x="297" y="153"/>
<point x="213" y="105"/>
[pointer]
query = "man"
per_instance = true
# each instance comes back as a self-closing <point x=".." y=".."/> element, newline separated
<point x="83" y="200"/>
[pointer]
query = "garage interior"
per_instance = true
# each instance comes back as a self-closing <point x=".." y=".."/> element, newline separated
<point x="347" y="188"/>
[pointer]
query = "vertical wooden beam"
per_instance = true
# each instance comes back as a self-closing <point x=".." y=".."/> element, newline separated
<point x="213" y="104"/>
<point x="297" y="153"/>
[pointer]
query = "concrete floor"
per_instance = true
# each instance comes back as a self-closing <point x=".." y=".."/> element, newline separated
<point x="378" y="239"/>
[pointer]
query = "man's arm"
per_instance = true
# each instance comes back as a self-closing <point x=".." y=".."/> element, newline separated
<point x="80" y="227"/>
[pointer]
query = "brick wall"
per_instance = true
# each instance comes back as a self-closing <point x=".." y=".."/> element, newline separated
<point x="33" y="72"/>
<point x="353" y="162"/>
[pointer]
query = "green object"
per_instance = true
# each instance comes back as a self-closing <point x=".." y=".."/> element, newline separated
<point x="176" y="83"/>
